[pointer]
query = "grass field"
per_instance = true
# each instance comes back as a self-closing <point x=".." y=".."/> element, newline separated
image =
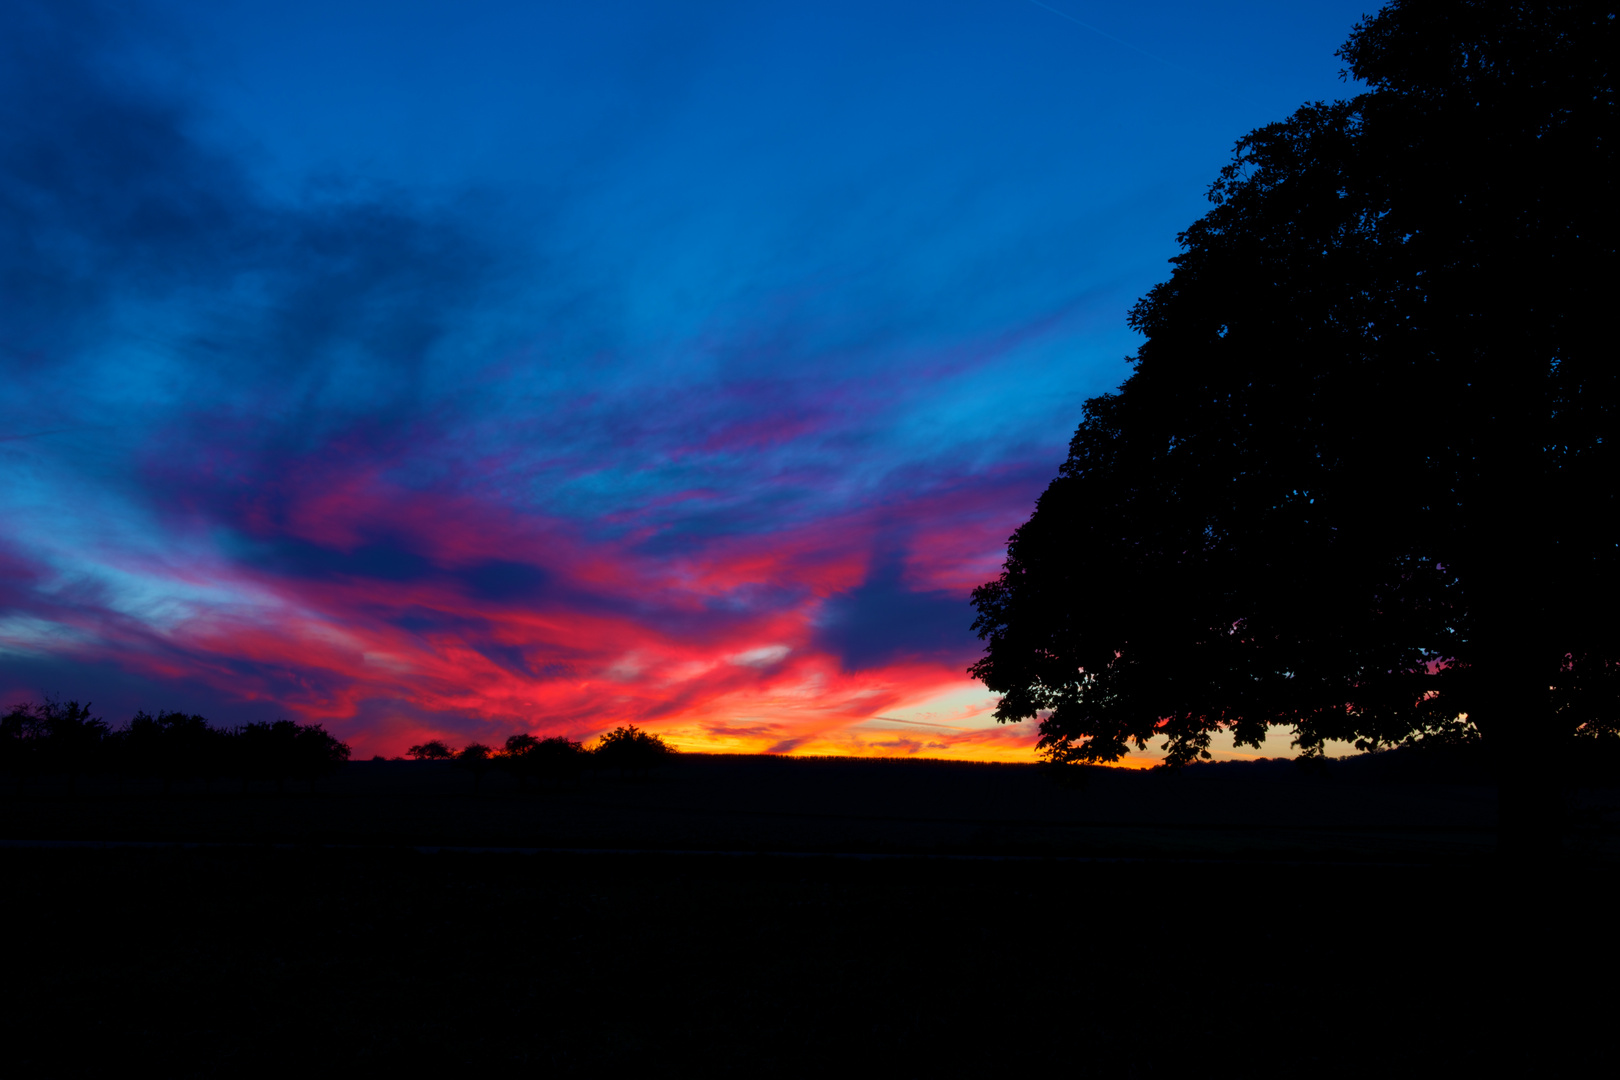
<point x="1284" y="926"/>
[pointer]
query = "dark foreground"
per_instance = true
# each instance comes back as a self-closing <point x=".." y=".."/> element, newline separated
<point x="220" y="961"/>
<point x="1271" y="811"/>
<point x="1229" y="944"/>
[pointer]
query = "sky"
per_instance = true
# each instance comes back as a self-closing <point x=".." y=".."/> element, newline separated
<point x="454" y="369"/>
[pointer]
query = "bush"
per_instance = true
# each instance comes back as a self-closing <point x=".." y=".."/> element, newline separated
<point x="630" y="749"/>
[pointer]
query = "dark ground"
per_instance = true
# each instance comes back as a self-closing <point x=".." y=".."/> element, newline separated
<point x="712" y="802"/>
<point x="1272" y="921"/>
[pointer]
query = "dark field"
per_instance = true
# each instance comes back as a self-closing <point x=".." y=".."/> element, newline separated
<point x="1266" y="921"/>
<point x="737" y="803"/>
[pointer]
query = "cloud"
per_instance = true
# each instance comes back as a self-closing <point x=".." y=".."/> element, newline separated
<point x="763" y="657"/>
<point x="103" y="191"/>
<point x="119" y="222"/>
<point x="745" y="731"/>
<point x="361" y="456"/>
<point x="504" y="580"/>
<point x="884" y="619"/>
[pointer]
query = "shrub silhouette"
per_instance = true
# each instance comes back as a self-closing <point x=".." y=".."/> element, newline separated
<point x="631" y="750"/>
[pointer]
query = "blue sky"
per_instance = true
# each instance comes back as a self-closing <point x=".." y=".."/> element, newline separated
<point x="471" y="367"/>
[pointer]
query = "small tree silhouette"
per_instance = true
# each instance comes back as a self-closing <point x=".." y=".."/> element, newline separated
<point x="432" y="750"/>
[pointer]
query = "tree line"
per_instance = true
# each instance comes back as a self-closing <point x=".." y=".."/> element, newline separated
<point x="63" y="739"/>
<point x="526" y="757"/>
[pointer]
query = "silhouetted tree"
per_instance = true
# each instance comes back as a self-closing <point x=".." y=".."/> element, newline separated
<point x="475" y="758"/>
<point x="263" y="751"/>
<point x="54" y="738"/>
<point x="558" y="757"/>
<point x="515" y="757"/>
<point x="630" y="749"/>
<point x="173" y="746"/>
<point x="552" y="758"/>
<point x="432" y="750"/>
<point x="1362" y="480"/>
<point x="317" y="753"/>
<point x="286" y="750"/>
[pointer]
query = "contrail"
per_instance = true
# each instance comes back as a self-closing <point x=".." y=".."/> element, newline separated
<point x="918" y="723"/>
<point x="1103" y="33"/>
<point x="33" y="434"/>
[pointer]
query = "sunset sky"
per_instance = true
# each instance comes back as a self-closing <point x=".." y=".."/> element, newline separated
<point x="462" y="368"/>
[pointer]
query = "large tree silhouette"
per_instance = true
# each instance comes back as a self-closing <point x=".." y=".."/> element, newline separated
<point x="1362" y="480"/>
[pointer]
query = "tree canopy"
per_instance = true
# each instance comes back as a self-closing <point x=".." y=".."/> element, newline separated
<point x="1361" y="481"/>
